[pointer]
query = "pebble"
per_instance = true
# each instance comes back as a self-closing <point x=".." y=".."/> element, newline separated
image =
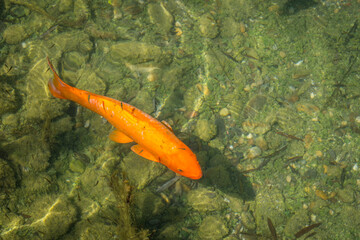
<point x="77" y="166"/>
<point x="357" y="119"/>
<point x="224" y="112"/>
<point x="87" y="123"/>
<point x="318" y="154"/>
<point x="242" y="27"/>
<point x="261" y="143"/>
<point x="355" y="167"/>
<point x="288" y="178"/>
<point x="282" y="54"/>
<point x="253" y="153"/>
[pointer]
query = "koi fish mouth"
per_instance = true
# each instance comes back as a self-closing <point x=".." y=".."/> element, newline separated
<point x="196" y="176"/>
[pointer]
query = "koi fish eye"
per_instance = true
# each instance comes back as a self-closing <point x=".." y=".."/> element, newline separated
<point x="180" y="170"/>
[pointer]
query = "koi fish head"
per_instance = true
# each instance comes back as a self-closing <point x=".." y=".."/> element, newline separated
<point x="184" y="162"/>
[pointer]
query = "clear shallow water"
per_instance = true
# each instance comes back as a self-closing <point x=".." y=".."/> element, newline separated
<point x="266" y="95"/>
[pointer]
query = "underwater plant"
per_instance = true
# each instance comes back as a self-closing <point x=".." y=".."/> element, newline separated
<point x="124" y="194"/>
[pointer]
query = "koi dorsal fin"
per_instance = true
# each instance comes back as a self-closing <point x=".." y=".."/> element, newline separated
<point x="119" y="137"/>
<point x="139" y="150"/>
<point x="167" y="125"/>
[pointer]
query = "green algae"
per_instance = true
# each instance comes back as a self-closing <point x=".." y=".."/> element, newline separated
<point x="123" y="195"/>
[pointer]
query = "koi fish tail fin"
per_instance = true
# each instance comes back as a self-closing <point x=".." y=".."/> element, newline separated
<point x="56" y="86"/>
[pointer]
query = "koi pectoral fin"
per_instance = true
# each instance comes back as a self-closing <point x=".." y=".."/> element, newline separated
<point x="139" y="150"/>
<point x="119" y="137"/>
<point x="167" y="125"/>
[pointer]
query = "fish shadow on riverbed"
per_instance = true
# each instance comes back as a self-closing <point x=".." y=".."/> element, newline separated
<point x="292" y="7"/>
<point x="219" y="173"/>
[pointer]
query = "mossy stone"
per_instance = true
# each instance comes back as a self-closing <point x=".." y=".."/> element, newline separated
<point x="14" y="34"/>
<point x="144" y="101"/>
<point x="36" y="183"/>
<point x="213" y="227"/>
<point x="58" y="219"/>
<point x="7" y="177"/>
<point x="73" y="60"/>
<point x="269" y="204"/>
<point x="159" y="15"/>
<point x="77" y="166"/>
<point x="140" y="170"/>
<point x="217" y="143"/>
<point x="65" y="5"/>
<point x="34" y="154"/>
<point x="219" y="177"/>
<point x="136" y="52"/>
<point x="204" y="200"/>
<point x="296" y="222"/>
<point x="8" y="100"/>
<point x="207" y="26"/>
<point x="206" y="129"/>
<point x="147" y="210"/>
<point x="346" y="195"/>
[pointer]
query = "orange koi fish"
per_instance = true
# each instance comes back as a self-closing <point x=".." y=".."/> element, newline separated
<point x="155" y="140"/>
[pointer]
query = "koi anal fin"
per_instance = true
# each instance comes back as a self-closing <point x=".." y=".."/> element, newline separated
<point x="139" y="150"/>
<point x="119" y="137"/>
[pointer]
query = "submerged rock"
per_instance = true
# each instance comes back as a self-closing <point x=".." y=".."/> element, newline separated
<point x="140" y="170"/>
<point x="213" y="227"/>
<point x="346" y="195"/>
<point x="14" y="34"/>
<point x="252" y="153"/>
<point x="289" y="121"/>
<point x="97" y="230"/>
<point x="269" y="204"/>
<point x="208" y="27"/>
<point x="73" y="60"/>
<point x="57" y="219"/>
<point x="11" y="120"/>
<point x="39" y="104"/>
<point x="204" y="200"/>
<point x="147" y="210"/>
<point x="65" y="5"/>
<point x="190" y="97"/>
<point x="137" y="52"/>
<point x="7" y="177"/>
<point x="50" y="216"/>
<point x="73" y="41"/>
<point x="34" y="153"/>
<point x="296" y="222"/>
<point x="144" y="101"/>
<point x="254" y="106"/>
<point x="36" y="183"/>
<point x="224" y="112"/>
<point x="169" y="232"/>
<point x="219" y="177"/>
<point x="91" y="82"/>
<point x="8" y="101"/>
<point x="76" y="166"/>
<point x="161" y="17"/>
<point x="19" y="11"/>
<point x="206" y="129"/>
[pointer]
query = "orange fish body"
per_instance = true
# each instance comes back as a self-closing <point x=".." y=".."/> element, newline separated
<point x="155" y="140"/>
